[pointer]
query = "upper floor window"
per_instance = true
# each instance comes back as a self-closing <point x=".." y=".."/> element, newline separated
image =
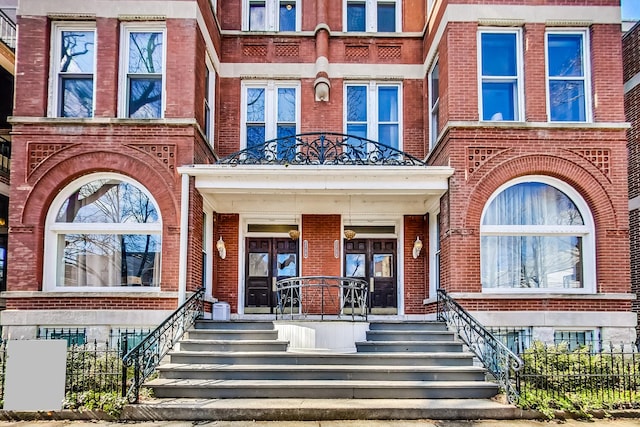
<point x="568" y="88"/>
<point x="500" y="75"/>
<point x="372" y="111"/>
<point x="103" y="231"/>
<point x="73" y="65"/>
<point x="537" y="234"/>
<point x="434" y="103"/>
<point x="372" y="15"/>
<point x="271" y="15"/>
<point x="143" y="64"/>
<point x="209" y="98"/>
<point x="270" y="110"/>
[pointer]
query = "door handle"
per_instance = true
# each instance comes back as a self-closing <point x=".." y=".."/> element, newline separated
<point x="371" y="286"/>
<point x="273" y="284"/>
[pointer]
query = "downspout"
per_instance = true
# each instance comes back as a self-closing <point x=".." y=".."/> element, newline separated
<point x="184" y="239"/>
<point x="322" y="31"/>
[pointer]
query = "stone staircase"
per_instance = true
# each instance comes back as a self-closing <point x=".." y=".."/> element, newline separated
<point x="243" y="360"/>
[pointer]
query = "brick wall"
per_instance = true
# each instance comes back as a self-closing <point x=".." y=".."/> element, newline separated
<point x="416" y="271"/>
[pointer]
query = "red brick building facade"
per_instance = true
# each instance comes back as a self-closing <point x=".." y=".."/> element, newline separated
<point x="140" y="170"/>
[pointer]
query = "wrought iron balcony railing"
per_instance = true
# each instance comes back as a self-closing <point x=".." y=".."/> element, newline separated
<point x="322" y="149"/>
<point x="501" y="362"/>
<point x="322" y="295"/>
<point x="7" y="31"/>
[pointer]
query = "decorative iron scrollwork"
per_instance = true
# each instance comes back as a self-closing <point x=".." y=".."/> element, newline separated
<point x="322" y="149"/>
<point x="501" y="362"/>
<point x="145" y="357"/>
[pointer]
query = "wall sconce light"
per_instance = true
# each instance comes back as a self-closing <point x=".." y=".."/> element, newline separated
<point x="222" y="249"/>
<point x="417" y="247"/>
<point x="3" y="222"/>
<point x="294" y="234"/>
<point x="349" y="234"/>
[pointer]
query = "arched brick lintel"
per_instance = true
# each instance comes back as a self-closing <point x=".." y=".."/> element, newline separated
<point x="48" y="185"/>
<point x="590" y="187"/>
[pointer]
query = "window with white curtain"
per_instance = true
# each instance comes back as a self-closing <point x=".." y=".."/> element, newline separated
<point x="537" y="234"/>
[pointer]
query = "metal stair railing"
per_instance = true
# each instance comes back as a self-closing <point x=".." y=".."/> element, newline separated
<point x="501" y="362"/>
<point x="146" y="356"/>
<point x="7" y="31"/>
<point x="349" y="293"/>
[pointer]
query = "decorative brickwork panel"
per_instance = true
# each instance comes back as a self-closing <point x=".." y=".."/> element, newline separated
<point x="356" y="52"/>
<point x="287" y="50"/>
<point x="165" y="154"/>
<point x="38" y="153"/>
<point x="389" y="52"/>
<point x="478" y="156"/>
<point x="254" y="50"/>
<point x="599" y="157"/>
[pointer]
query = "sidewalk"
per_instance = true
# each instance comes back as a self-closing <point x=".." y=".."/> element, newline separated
<point x="361" y="423"/>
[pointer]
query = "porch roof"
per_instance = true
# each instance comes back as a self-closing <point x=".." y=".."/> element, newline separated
<point x="320" y="189"/>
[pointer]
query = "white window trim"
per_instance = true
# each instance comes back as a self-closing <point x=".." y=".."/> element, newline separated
<point x="586" y="231"/>
<point x="272" y="15"/>
<point x="270" y="105"/>
<point x="372" y="108"/>
<point x="53" y="229"/>
<point x="519" y="115"/>
<point x="210" y="101"/>
<point x="123" y="92"/>
<point x="586" y="64"/>
<point x="434" y="109"/>
<point x="53" y="108"/>
<point x="371" y="11"/>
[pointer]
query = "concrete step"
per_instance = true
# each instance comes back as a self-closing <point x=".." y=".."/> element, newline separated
<point x="233" y="325"/>
<point x="312" y="358"/>
<point x="409" y="346"/>
<point x="407" y="326"/>
<point x="321" y="372"/>
<point x="302" y="409"/>
<point x="321" y="389"/>
<point x="399" y="335"/>
<point x="232" y="334"/>
<point x="233" y="345"/>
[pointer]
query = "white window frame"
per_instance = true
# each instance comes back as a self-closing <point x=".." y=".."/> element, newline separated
<point x="371" y="11"/>
<point x="270" y="105"/>
<point x="209" y="101"/>
<point x="586" y="65"/>
<point x="53" y="229"/>
<point x="123" y="90"/>
<point x="518" y="115"/>
<point x="57" y="28"/>
<point x="272" y="15"/>
<point x="372" y="108"/>
<point x="586" y="231"/>
<point x="434" y="107"/>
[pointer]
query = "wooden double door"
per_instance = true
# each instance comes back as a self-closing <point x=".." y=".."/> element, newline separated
<point x="375" y="260"/>
<point x="267" y="260"/>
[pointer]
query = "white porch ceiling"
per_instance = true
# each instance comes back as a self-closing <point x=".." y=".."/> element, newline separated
<point x="322" y="189"/>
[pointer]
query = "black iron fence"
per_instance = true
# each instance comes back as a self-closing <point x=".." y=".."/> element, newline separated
<point x="606" y="378"/>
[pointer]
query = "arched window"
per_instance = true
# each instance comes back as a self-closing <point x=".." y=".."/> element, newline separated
<point x="537" y="234"/>
<point x="103" y="231"/>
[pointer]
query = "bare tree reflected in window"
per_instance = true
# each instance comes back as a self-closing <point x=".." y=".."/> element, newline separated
<point x="76" y="67"/>
<point x="145" y="74"/>
<point x="111" y="254"/>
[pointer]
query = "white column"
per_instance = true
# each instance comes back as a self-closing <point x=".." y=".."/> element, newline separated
<point x="184" y="239"/>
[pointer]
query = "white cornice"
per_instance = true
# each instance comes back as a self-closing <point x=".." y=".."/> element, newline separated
<point x="110" y="9"/>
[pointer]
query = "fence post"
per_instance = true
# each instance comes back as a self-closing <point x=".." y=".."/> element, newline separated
<point x="123" y="345"/>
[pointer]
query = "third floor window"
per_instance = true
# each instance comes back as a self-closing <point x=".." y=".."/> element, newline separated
<point x="73" y="62"/>
<point x="568" y="87"/>
<point x="271" y="15"/>
<point x="372" y="15"/>
<point x="143" y="72"/>
<point x="501" y="88"/>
